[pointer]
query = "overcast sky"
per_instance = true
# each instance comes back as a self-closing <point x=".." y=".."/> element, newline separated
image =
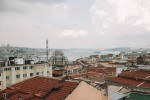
<point x="75" y="23"/>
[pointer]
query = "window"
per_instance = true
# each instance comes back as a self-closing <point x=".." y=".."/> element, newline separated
<point x="31" y="74"/>
<point x="7" y="77"/>
<point x="25" y="67"/>
<point x="31" y="67"/>
<point x="17" y="76"/>
<point x="47" y="72"/>
<point x="37" y="73"/>
<point x="17" y="68"/>
<point x="7" y="69"/>
<point x="5" y="96"/>
<point x="24" y="75"/>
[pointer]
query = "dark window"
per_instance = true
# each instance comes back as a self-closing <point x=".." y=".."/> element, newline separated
<point x="25" y="67"/>
<point x="47" y="72"/>
<point x="37" y="73"/>
<point x="31" y="67"/>
<point x="24" y="75"/>
<point x="7" y="69"/>
<point x="31" y="74"/>
<point x="17" y="76"/>
<point x="7" y="77"/>
<point x="17" y="68"/>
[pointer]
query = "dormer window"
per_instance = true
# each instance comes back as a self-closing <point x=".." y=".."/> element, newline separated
<point x="4" y="96"/>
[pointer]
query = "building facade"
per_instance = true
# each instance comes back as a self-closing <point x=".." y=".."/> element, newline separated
<point x="13" y="74"/>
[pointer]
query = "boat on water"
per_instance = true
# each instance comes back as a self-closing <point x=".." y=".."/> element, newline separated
<point x="97" y="51"/>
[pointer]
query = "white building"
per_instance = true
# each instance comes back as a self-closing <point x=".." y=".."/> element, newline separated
<point x="12" y="74"/>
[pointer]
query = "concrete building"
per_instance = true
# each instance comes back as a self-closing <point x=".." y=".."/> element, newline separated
<point x="73" y="69"/>
<point x="13" y="74"/>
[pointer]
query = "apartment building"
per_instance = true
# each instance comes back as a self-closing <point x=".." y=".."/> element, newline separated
<point x="13" y="74"/>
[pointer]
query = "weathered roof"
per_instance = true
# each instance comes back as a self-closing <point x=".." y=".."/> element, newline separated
<point x="137" y="74"/>
<point x="124" y="81"/>
<point x="40" y="87"/>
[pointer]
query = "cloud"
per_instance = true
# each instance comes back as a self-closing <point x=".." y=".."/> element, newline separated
<point x="102" y="33"/>
<point x="105" y="25"/>
<point x="131" y="12"/>
<point x="68" y="23"/>
<point x="134" y="12"/>
<point x="38" y="7"/>
<point x="45" y="1"/>
<point x="73" y="33"/>
<point x="121" y="19"/>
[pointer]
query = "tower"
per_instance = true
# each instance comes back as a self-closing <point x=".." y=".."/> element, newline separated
<point x="47" y="50"/>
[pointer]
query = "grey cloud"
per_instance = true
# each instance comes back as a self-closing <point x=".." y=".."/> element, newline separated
<point x="13" y="6"/>
<point x="27" y="6"/>
<point x="24" y="19"/>
<point x="45" y="1"/>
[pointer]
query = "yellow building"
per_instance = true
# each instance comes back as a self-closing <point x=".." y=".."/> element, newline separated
<point x="13" y="74"/>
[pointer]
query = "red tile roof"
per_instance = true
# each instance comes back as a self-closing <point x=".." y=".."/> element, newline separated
<point x="75" y="76"/>
<point x="63" y="93"/>
<point x="102" y="70"/>
<point x="92" y="74"/>
<point x="100" y="66"/>
<point x="132" y="61"/>
<point x="40" y="87"/>
<point x="137" y="74"/>
<point x="145" y="85"/>
<point x="139" y="79"/>
<point x="87" y="74"/>
<point x="110" y="70"/>
<point x="91" y="69"/>
<point x="124" y="81"/>
<point x="106" y="70"/>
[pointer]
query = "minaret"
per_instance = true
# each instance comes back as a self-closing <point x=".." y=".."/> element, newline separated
<point x="47" y="50"/>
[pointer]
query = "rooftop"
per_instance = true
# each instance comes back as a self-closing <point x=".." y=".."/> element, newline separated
<point x="101" y="70"/>
<point x="124" y="81"/>
<point x="145" y="75"/>
<point x="85" y="91"/>
<point x="138" y="80"/>
<point x="40" y="87"/>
